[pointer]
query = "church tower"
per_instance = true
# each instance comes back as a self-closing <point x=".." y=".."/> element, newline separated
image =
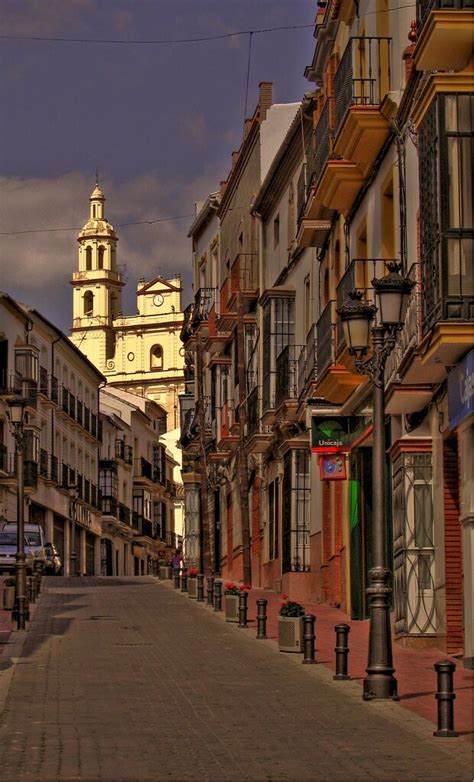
<point x="97" y="298"/>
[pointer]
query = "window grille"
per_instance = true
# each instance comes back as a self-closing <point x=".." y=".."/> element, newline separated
<point x="296" y="512"/>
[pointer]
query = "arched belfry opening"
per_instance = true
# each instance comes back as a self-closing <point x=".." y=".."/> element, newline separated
<point x="88" y="303"/>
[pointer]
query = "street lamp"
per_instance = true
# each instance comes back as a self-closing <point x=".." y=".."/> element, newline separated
<point x="17" y="418"/>
<point x="392" y="294"/>
<point x="73" y="496"/>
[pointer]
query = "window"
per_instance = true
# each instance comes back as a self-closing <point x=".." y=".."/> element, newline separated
<point x="88" y="303"/>
<point x="156" y="357"/>
<point x="88" y="259"/>
<point x="100" y="257"/>
<point x="278" y="333"/>
<point x="159" y="520"/>
<point x="295" y="515"/>
<point x="108" y="481"/>
<point x="159" y="464"/>
<point x="142" y="504"/>
<point x="273" y="514"/>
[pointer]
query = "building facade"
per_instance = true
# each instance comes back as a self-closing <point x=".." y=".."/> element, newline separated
<point x="373" y="169"/>
<point x="140" y="353"/>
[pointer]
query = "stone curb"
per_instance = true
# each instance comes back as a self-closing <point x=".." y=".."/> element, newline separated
<point x="12" y="654"/>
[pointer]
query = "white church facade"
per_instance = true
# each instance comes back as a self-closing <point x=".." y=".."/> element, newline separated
<point x="141" y="353"/>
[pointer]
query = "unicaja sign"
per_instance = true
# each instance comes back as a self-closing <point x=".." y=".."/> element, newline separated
<point x="461" y="391"/>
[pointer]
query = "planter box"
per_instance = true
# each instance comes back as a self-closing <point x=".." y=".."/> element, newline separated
<point x="165" y="572"/>
<point x="192" y="587"/>
<point x="290" y="633"/>
<point x="8" y="598"/>
<point x="231" y="608"/>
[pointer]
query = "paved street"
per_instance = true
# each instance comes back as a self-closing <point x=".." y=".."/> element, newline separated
<point x="125" y="679"/>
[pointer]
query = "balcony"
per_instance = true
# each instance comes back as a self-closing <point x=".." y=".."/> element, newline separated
<point x="54" y="468"/>
<point x="143" y="470"/>
<point x="187" y="328"/>
<point x="286" y="392"/>
<point x="444" y="34"/>
<point x="335" y="382"/>
<point x="227" y="438"/>
<point x="54" y="386"/>
<point x="243" y="281"/>
<point x="44" y="464"/>
<point x="124" y="513"/>
<point x="307" y="365"/>
<point x="205" y="300"/>
<point x="259" y="435"/>
<point x="361" y="82"/>
<point x="109" y="505"/>
<point x="227" y="314"/>
<point x="123" y="451"/>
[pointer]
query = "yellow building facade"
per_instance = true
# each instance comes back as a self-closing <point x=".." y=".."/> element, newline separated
<point x="140" y="353"/>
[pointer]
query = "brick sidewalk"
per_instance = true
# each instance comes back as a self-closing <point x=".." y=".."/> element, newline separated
<point x="123" y="679"/>
<point x="414" y="668"/>
<point x="6" y="624"/>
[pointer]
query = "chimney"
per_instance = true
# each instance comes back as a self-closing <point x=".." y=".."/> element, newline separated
<point x="235" y="157"/>
<point x="265" y="98"/>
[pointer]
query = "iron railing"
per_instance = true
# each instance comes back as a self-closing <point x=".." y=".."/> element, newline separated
<point x="243" y="274"/>
<point x="54" y="385"/>
<point x="363" y="75"/>
<point x="44" y="463"/>
<point x="205" y="299"/>
<point x="423" y="8"/>
<point x="325" y="335"/>
<point x="43" y="382"/>
<point x="187" y="328"/>
<point x="124" y="513"/>
<point x="109" y="505"/>
<point x="143" y="468"/>
<point x="287" y="374"/>
<point x="322" y="141"/>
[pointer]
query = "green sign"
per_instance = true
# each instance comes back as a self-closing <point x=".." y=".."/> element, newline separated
<point x="336" y="433"/>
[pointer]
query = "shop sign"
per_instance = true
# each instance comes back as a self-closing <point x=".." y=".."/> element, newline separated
<point x="332" y="467"/>
<point x="461" y="391"/>
<point x="337" y="433"/>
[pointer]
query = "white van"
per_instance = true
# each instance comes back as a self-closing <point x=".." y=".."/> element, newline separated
<point x="34" y="546"/>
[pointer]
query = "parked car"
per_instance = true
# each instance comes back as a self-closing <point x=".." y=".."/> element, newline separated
<point x="53" y="562"/>
<point x="8" y="549"/>
<point x="34" y="545"/>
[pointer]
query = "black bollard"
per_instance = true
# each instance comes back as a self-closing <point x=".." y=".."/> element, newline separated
<point x="262" y="619"/>
<point x="308" y="639"/>
<point x="38" y="574"/>
<point x="210" y="590"/>
<point x="200" y="588"/>
<point x="342" y="651"/>
<point x="243" y="608"/>
<point x="176" y="577"/>
<point x="217" y="596"/>
<point x="31" y="589"/>
<point x="445" y="697"/>
<point x="184" y="582"/>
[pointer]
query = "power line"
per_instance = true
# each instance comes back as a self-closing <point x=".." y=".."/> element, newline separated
<point x="118" y="225"/>
<point x="155" y="41"/>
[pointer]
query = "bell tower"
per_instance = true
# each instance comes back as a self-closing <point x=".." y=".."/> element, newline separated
<point x="97" y="297"/>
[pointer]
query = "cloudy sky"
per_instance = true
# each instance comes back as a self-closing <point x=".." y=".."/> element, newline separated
<point x="159" y="121"/>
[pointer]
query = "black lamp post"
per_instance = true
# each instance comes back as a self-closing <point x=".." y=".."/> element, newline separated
<point x="392" y="294"/>
<point x="17" y="419"/>
<point x="73" y="496"/>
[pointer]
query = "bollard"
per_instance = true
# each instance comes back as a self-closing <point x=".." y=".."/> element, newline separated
<point x="200" y="588"/>
<point x="31" y="589"/>
<point x="445" y="697"/>
<point x="243" y="609"/>
<point x="176" y="577"/>
<point x="184" y="582"/>
<point x="210" y="590"/>
<point x="218" y="596"/>
<point x="262" y="619"/>
<point x="38" y="574"/>
<point x="342" y="651"/>
<point x="308" y="639"/>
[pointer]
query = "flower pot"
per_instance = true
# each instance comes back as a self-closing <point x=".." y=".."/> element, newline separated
<point x="231" y="608"/>
<point x="8" y="598"/>
<point x="290" y="633"/>
<point x="192" y="587"/>
<point x="165" y="572"/>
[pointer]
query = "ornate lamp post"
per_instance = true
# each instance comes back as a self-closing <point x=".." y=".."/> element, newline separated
<point x="392" y="294"/>
<point x="17" y="419"/>
<point x="73" y="496"/>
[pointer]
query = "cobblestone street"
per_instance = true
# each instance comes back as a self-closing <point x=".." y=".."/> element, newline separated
<point x="124" y="679"/>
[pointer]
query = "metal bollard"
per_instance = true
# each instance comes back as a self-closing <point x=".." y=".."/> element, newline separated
<point x="217" y="596"/>
<point x="31" y="589"/>
<point x="210" y="590"/>
<point x="308" y="639"/>
<point x="243" y="596"/>
<point x="38" y="575"/>
<point x="342" y="651"/>
<point x="200" y="588"/>
<point x="262" y="619"/>
<point x="184" y="582"/>
<point x="445" y="697"/>
<point x="176" y="577"/>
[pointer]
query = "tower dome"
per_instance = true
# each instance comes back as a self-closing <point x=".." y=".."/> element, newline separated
<point x="97" y="224"/>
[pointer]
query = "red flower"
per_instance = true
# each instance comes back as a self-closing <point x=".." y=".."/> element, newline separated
<point x="229" y="586"/>
<point x="245" y="588"/>
<point x="284" y="597"/>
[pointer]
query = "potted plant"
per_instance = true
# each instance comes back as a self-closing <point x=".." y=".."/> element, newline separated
<point x="231" y="600"/>
<point x="290" y="626"/>
<point x="192" y="582"/>
<point x="9" y="594"/>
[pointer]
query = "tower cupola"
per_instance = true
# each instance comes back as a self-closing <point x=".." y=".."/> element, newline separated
<point x="97" y="200"/>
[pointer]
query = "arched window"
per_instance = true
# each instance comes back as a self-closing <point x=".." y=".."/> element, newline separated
<point x="156" y="357"/>
<point x="88" y="303"/>
<point x="88" y="259"/>
<point x="101" y="254"/>
<point x="93" y="211"/>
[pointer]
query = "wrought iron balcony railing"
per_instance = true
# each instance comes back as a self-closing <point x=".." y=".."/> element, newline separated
<point x="187" y="328"/>
<point x="326" y="335"/>
<point x="244" y="273"/>
<point x="109" y="505"/>
<point x="322" y="141"/>
<point x="287" y="374"/>
<point x="205" y="299"/>
<point x="423" y="8"/>
<point x="363" y="76"/>
<point x="124" y="513"/>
